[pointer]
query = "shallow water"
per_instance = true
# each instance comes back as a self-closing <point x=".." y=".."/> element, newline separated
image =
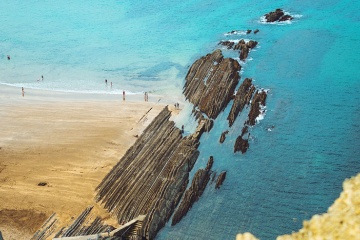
<point x="310" y="67"/>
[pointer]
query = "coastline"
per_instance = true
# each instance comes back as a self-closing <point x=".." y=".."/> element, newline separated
<point x="67" y="141"/>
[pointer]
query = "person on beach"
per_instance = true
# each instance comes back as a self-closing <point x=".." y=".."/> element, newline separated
<point x="106" y="81"/>
<point x="123" y="95"/>
<point x="110" y="84"/>
<point x="22" y="91"/>
<point x="146" y="97"/>
<point x="42" y="77"/>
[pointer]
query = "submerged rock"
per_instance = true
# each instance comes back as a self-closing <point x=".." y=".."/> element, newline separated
<point x="220" y="180"/>
<point x="223" y="136"/>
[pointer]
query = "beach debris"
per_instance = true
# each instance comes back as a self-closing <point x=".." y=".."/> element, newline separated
<point x="42" y="184"/>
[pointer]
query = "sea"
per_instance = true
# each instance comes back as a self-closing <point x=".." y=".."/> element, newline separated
<point x="302" y="148"/>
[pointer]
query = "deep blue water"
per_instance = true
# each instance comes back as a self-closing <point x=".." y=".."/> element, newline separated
<point x="309" y="66"/>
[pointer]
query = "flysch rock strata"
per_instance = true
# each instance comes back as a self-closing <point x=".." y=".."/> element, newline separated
<point x="242" y="98"/>
<point x="211" y="82"/>
<point x="257" y="102"/>
<point x="152" y="176"/>
<point x="198" y="185"/>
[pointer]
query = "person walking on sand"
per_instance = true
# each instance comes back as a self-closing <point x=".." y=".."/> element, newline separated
<point x="22" y="91"/>
<point x="123" y="95"/>
<point x="106" y="81"/>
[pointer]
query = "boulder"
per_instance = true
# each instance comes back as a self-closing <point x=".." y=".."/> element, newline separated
<point x="223" y="136"/>
<point x="241" y="145"/>
<point x="277" y="16"/>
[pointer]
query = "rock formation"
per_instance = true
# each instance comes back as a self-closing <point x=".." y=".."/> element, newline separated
<point x="198" y="185"/>
<point x="277" y="16"/>
<point x="220" y="180"/>
<point x="241" y="144"/>
<point x="256" y="104"/>
<point x="242" y="98"/>
<point x="211" y="82"/>
<point x="152" y="175"/>
<point x="223" y="136"/>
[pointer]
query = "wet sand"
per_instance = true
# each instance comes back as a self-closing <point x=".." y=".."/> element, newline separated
<point x="65" y="141"/>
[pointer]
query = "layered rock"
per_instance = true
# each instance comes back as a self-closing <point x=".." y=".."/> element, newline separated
<point x="277" y="16"/>
<point x="211" y="82"/>
<point x="152" y="175"/>
<point x="257" y="103"/>
<point x="241" y="144"/>
<point x="220" y="180"/>
<point x="242" y="98"/>
<point x="198" y="185"/>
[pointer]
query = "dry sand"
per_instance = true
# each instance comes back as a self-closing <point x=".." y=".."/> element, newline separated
<point x="68" y="142"/>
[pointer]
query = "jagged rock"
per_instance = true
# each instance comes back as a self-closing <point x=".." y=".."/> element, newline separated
<point x="277" y="15"/>
<point x="258" y="100"/>
<point x="223" y="136"/>
<point x="210" y="83"/>
<point x="244" y="130"/>
<point x="198" y="185"/>
<point x="228" y="44"/>
<point x="242" y="97"/>
<point x="251" y="44"/>
<point x="239" y="44"/>
<point x="220" y="180"/>
<point x="248" y="31"/>
<point x="244" y="52"/>
<point x="256" y="31"/>
<point x="241" y="145"/>
<point x="152" y="175"/>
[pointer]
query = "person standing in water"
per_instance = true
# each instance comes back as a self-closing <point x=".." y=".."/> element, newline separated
<point x="123" y="95"/>
<point x="22" y="91"/>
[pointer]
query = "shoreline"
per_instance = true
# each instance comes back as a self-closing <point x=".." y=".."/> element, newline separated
<point x="68" y="142"/>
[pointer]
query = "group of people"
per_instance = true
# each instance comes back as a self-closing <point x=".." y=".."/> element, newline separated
<point x="177" y="106"/>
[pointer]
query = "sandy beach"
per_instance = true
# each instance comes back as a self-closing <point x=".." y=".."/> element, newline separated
<point x="66" y="142"/>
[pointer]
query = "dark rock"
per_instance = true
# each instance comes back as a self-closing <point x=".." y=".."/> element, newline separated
<point x="258" y="100"/>
<point x="244" y="52"/>
<point x="241" y="145"/>
<point x="198" y="185"/>
<point x="286" y="18"/>
<point x="211" y="82"/>
<point x="274" y="16"/>
<point x="248" y="31"/>
<point x="278" y="15"/>
<point x="239" y="44"/>
<point x="244" y="130"/>
<point x="256" y="31"/>
<point x="223" y="136"/>
<point x="251" y="44"/>
<point x="220" y="180"/>
<point x="228" y="44"/>
<point x="42" y="184"/>
<point x="242" y="97"/>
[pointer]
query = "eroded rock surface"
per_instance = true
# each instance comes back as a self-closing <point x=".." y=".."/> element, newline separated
<point x="277" y="16"/>
<point x="211" y="82"/>
<point x="220" y="180"/>
<point x="242" y="98"/>
<point x="241" y="145"/>
<point x="198" y="185"/>
<point x="223" y="136"/>
<point x="256" y="105"/>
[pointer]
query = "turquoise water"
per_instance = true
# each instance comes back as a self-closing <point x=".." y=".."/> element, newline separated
<point x="309" y="66"/>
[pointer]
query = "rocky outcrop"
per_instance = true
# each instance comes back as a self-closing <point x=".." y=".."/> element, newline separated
<point x="198" y="185"/>
<point x="152" y="175"/>
<point x="223" y="136"/>
<point x="277" y="16"/>
<point x="257" y="103"/>
<point x="211" y="82"/>
<point x="242" y="98"/>
<point x="220" y="180"/>
<point x="241" y="144"/>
